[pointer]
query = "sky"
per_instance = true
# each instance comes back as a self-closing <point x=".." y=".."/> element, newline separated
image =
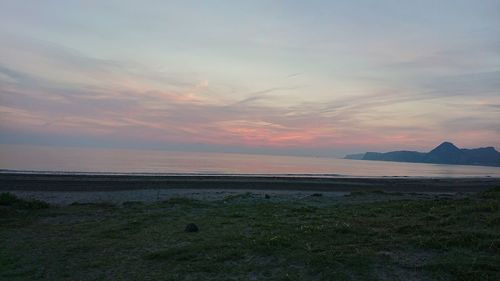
<point x="282" y="77"/>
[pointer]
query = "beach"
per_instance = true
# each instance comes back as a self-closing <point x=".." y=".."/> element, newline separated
<point x="105" y="182"/>
<point x="102" y="227"/>
<point x="68" y="188"/>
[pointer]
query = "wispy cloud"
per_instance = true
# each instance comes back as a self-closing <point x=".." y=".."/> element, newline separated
<point x="194" y="85"/>
<point x="294" y="74"/>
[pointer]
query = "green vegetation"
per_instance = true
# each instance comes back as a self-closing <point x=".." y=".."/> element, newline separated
<point x="9" y="200"/>
<point x="368" y="236"/>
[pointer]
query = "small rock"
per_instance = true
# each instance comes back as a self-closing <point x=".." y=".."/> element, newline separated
<point x="191" y="227"/>
<point x="267" y="196"/>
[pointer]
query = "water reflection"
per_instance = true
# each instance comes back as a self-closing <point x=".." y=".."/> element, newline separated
<point x="46" y="158"/>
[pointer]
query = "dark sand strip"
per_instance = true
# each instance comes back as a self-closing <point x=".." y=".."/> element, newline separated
<point x="47" y="182"/>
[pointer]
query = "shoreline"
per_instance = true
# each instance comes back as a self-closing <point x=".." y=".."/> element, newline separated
<point x="106" y="182"/>
<point x="216" y="174"/>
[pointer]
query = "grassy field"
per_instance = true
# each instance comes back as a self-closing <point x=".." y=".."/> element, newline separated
<point x="364" y="236"/>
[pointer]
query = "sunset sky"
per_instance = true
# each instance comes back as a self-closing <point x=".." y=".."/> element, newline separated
<point x="293" y="77"/>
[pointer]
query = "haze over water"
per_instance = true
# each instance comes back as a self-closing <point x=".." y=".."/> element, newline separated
<point x="93" y="160"/>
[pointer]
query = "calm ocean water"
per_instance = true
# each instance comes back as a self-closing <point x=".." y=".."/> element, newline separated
<point x="47" y="158"/>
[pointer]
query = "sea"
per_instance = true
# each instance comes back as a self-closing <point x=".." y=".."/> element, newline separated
<point x="52" y="159"/>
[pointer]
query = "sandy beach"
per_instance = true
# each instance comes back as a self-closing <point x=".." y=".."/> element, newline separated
<point x="54" y="182"/>
<point x="116" y="189"/>
<point x="117" y="227"/>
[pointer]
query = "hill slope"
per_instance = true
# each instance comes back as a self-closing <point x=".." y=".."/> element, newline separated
<point x="445" y="153"/>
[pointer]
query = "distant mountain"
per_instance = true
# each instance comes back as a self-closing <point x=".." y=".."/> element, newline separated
<point x="445" y="153"/>
<point x="398" y="156"/>
<point x="358" y="156"/>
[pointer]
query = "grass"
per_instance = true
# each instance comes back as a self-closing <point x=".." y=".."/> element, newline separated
<point x="251" y="238"/>
<point x="9" y="200"/>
